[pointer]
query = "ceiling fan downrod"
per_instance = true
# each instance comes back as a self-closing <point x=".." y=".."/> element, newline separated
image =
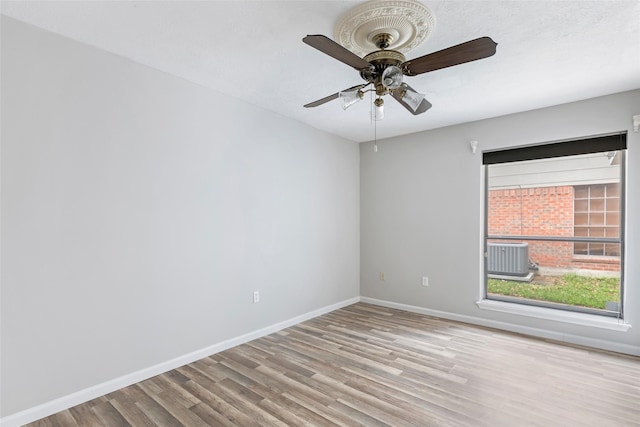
<point x="382" y="40"/>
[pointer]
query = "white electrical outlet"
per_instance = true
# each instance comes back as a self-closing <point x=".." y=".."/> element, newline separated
<point x="425" y="281"/>
<point x="256" y="296"/>
<point x="382" y="276"/>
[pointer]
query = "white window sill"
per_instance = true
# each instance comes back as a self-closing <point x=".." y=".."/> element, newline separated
<point x="583" y="319"/>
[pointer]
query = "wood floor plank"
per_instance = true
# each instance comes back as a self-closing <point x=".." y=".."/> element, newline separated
<point x="287" y="411"/>
<point x="84" y="416"/>
<point x="359" y="417"/>
<point x="110" y="415"/>
<point x="211" y="417"/>
<point x="373" y="366"/>
<point x="317" y="407"/>
<point x="178" y="407"/>
<point x="155" y="412"/>
<point x="64" y="419"/>
<point x="216" y="403"/>
<point x="130" y="412"/>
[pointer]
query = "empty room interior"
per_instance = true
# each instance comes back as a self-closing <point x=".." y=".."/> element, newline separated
<point x="419" y="213"/>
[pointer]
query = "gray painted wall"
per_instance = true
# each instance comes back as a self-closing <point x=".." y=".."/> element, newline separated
<point x="421" y="204"/>
<point x="140" y="211"/>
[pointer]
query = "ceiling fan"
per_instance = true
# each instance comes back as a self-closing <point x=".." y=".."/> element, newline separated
<point x="384" y="69"/>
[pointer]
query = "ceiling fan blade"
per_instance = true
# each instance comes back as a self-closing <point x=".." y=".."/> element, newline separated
<point x="331" y="97"/>
<point x="326" y="45"/>
<point x="399" y="95"/>
<point x="473" y="50"/>
<point x="321" y="101"/>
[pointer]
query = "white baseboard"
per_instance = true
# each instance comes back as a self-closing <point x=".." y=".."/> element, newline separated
<point x="527" y="330"/>
<point x="65" y="402"/>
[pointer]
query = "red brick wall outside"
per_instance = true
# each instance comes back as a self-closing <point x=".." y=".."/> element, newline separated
<point x="541" y="211"/>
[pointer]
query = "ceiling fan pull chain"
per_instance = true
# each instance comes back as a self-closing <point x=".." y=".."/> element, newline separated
<point x="375" y="128"/>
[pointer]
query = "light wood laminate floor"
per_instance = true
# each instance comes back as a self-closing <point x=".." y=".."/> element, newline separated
<point x="374" y="366"/>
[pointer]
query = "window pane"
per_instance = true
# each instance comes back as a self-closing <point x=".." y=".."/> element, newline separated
<point x="580" y="248"/>
<point x="596" y="232"/>
<point x="612" y="232"/>
<point x="582" y="192"/>
<point x="613" y="190"/>
<point x="596" y="249"/>
<point x="612" y="250"/>
<point x="596" y="219"/>
<point x="596" y="191"/>
<point x="612" y="218"/>
<point x="548" y="198"/>
<point x="581" y="219"/>
<point x="581" y="206"/>
<point x="613" y="204"/>
<point x="596" y="205"/>
<point x="581" y="232"/>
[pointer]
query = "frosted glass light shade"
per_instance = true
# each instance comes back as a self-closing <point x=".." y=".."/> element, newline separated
<point x="378" y="113"/>
<point x="392" y="77"/>
<point x="349" y="97"/>
<point x="412" y="99"/>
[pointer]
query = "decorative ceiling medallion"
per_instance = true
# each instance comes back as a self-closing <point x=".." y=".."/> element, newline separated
<point x="408" y="23"/>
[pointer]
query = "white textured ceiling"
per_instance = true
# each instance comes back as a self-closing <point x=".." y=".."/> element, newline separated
<point x="549" y="52"/>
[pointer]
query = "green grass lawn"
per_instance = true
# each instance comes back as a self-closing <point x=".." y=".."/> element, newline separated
<point x="569" y="289"/>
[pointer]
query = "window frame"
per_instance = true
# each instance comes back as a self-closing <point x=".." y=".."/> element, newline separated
<point x="597" y="144"/>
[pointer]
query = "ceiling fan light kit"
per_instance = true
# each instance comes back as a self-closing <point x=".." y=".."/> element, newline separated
<point x="412" y="99"/>
<point x="373" y="39"/>
<point x="392" y="77"/>
<point x="350" y="97"/>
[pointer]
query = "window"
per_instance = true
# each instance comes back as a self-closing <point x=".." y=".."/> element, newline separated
<point x="596" y="214"/>
<point x="554" y="225"/>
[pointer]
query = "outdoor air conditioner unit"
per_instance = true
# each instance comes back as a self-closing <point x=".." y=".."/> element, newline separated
<point x="508" y="259"/>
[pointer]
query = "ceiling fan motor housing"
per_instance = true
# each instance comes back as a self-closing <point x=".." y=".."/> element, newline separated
<point x="381" y="60"/>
